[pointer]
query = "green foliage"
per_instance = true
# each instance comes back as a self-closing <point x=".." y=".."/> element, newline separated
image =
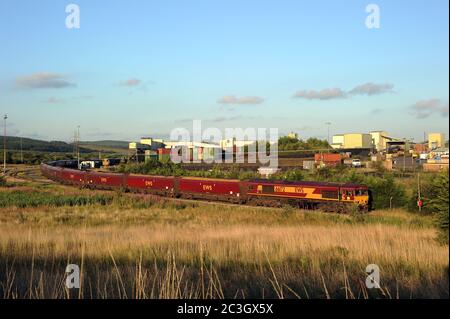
<point x="2" y="181"/>
<point x="170" y="169"/>
<point x="288" y="144"/>
<point x="34" y="199"/>
<point x="289" y="175"/>
<point x="434" y="194"/>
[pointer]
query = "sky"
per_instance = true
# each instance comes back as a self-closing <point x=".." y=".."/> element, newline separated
<point x="143" y="68"/>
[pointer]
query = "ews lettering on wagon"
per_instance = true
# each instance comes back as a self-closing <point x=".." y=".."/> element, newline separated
<point x="207" y="187"/>
<point x="149" y="183"/>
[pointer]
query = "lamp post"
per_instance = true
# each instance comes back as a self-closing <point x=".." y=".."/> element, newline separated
<point x="328" y="133"/>
<point x="78" y="145"/>
<point x="5" y="117"/>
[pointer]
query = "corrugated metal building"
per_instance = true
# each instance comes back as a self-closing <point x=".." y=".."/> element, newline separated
<point x="352" y="141"/>
<point x="436" y="140"/>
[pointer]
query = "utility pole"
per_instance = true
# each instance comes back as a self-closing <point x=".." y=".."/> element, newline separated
<point x="419" y="200"/>
<point x="74" y="143"/>
<point x="21" y="150"/>
<point x="328" y="133"/>
<point x="5" y="117"/>
<point x="78" y="145"/>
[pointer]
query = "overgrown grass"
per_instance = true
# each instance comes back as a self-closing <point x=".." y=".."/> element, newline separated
<point x="182" y="250"/>
<point x="34" y="199"/>
<point x="135" y="246"/>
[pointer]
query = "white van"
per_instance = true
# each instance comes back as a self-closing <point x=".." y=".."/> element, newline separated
<point x="356" y="162"/>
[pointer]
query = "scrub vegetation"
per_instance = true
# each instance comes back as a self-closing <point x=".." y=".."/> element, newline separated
<point x="136" y="246"/>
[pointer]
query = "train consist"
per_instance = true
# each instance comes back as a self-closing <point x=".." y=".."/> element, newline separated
<point x="335" y="197"/>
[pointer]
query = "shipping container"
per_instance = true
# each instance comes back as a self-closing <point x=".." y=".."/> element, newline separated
<point x="327" y="157"/>
<point x="164" y="151"/>
<point x="309" y="165"/>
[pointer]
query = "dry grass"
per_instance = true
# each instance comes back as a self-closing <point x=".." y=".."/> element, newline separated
<point x="139" y="247"/>
<point x="218" y="251"/>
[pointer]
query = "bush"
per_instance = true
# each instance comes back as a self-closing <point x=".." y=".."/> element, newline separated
<point x="2" y="181"/>
<point x="434" y="194"/>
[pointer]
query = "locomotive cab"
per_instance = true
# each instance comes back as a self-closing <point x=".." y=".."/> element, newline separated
<point x="357" y="195"/>
<point x="362" y="197"/>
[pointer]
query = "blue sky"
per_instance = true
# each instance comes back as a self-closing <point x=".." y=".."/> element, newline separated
<point x="144" y="67"/>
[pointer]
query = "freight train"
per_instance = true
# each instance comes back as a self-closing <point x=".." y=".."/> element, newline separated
<point x="335" y="197"/>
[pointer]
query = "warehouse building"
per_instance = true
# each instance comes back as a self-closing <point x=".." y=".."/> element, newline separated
<point x="338" y="141"/>
<point x="153" y="143"/>
<point x="352" y="141"/>
<point x="436" y="140"/>
<point x="379" y="140"/>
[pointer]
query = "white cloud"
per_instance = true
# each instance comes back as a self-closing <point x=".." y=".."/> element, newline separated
<point x="370" y="88"/>
<point x="43" y="80"/>
<point x="325" y="94"/>
<point x="231" y="99"/>
<point x="425" y="108"/>
<point x="54" y="100"/>
<point x="131" y="82"/>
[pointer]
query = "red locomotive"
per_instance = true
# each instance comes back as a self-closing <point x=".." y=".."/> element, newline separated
<point x="335" y="197"/>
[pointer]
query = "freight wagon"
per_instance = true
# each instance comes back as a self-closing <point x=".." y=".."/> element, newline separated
<point x="335" y="197"/>
<point x="208" y="188"/>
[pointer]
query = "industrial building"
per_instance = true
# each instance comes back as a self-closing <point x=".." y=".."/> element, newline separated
<point x="153" y="143"/>
<point x="379" y="140"/>
<point x="293" y="135"/>
<point x="157" y="149"/>
<point x="352" y="141"/>
<point x="436" y="140"/>
<point x="232" y="143"/>
<point x="373" y="142"/>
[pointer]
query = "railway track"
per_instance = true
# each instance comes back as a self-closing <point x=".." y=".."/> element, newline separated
<point x="27" y="174"/>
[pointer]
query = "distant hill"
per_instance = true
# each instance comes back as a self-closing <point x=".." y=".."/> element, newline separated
<point x="107" y="143"/>
<point x="29" y="144"/>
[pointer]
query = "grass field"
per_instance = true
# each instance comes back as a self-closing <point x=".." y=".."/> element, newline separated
<point x="130" y="246"/>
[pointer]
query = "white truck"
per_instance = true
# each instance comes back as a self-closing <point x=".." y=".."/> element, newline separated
<point x="356" y="163"/>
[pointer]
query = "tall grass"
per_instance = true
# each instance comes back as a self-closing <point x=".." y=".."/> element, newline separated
<point x="178" y="250"/>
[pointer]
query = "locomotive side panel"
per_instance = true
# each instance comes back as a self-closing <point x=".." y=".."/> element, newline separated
<point x="295" y="191"/>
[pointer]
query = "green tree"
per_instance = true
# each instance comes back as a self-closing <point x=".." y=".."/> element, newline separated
<point x="438" y="204"/>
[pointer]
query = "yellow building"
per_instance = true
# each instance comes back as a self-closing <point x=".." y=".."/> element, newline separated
<point x="352" y="140"/>
<point x="436" y="140"/>
<point x="357" y="140"/>
<point x="293" y="135"/>
<point x="379" y="139"/>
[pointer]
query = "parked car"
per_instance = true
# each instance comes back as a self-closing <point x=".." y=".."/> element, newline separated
<point x="356" y="163"/>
